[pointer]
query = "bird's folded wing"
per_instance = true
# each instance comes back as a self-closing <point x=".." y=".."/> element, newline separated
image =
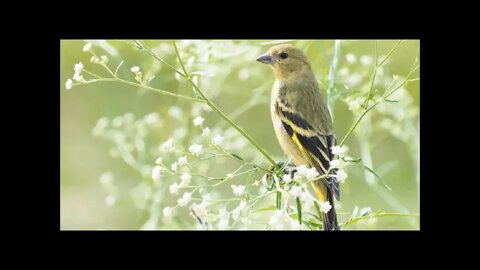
<point x="316" y="147"/>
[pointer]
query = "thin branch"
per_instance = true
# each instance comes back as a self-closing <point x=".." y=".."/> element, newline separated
<point x="139" y="85"/>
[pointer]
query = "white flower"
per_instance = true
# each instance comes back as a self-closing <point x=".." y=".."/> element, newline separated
<point x="87" y="47"/>
<point x="237" y="211"/>
<point x="365" y="211"/>
<point x="305" y="197"/>
<point x="341" y="176"/>
<point x="343" y="71"/>
<point x="168" y="145"/>
<point x="174" y="188"/>
<point x="264" y="180"/>
<point x="182" y="161"/>
<point x="295" y="225"/>
<point x="246" y="221"/>
<point x="200" y="209"/>
<point x="78" y="77"/>
<point x="206" y="199"/>
<point x="187" y="196"/>
<point x="174" y="166"/>
<point x="117" y="121"/>
<point x="218" y="140"/>
<point x="135" y="69"/>
<point x="286" y="178"/>
<point x="340" y="151"/>
<point x="69" y="84"/>
<point x="301" y="170"/>
<point x="353" y="80"/>
<point x="145" y="170"/>
<point x="308" y="173"/>
<point x="99" y="128"/>
<point x="366" y="60"/>
<point x="175" y="112"/>
<point x="151" y="118"/>
<point x="180" y="133"/>
<point x="206" y="132"/>
<point x="196" y="149"/>
<point x="78" y="68"/>
<point x="150" y="224"/>
<point x="277" y="219"/>
<point x="110" y="200"/>
<point x="311" y="174"/>
<point x="243" y="74"/>
<point x="222" y="213"/>
<point x="335" y="163"/>
<point x="158" y="161"/>
<point x="238" y="190"/>
<point x="106" y="178"/>
<point x="94" y="60"/>
<point x="296" y="191"/>
<point x="198" y="121"/>
<point x="102" y="122"/>
<point x="355" y="104"/>
<point x="167" y="212"/>
<point x="138" y="77"/>
<point x="351" y="58"/>
<point x="223" y="224"/>
<point x="156" y="173"/>
<point x="185" y="179"/>
<point x="325" y="207"/>
<point x="104" y="59"/>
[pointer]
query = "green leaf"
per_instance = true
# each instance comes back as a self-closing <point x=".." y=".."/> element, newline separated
<point x="355" y="160"/>
<point x="235" y="156"/>
<point x="392" y="101"/>
<point x="311" y="223"/>
<point x="299" y="210"/>
<point x="268" y="208"/>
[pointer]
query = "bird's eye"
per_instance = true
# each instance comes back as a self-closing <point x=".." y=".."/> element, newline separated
<point x="284" y="55"/>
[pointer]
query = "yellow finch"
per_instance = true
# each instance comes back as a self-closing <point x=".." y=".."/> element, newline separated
<point x="302" y="122"/>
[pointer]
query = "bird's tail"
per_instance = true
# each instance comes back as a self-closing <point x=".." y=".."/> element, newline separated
<point x="330" y="218"/>
<point x="325" y="194"/>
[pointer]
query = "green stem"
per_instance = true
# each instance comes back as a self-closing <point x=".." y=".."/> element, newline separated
<point x="142" y="86"/>
<point x="390" y="52"/>
<point x="356" y="124"/>
<point x="186" y="74"/>
<point x="144" y="46"/>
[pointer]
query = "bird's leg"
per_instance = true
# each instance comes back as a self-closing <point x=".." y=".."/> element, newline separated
<point x="291" y="170"/>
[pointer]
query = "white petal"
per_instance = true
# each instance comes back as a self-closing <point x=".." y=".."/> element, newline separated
<point x="69" y="84"/>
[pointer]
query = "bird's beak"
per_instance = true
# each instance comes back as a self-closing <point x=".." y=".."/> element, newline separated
<point x="266" y="59"/>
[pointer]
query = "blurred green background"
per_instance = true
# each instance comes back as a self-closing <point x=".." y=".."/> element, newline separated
<point x="240" y="86"/>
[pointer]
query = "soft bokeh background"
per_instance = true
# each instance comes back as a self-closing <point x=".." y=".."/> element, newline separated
<point x="240" y="87"/>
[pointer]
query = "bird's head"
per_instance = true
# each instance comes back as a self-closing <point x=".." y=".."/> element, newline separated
<point x="286" y="61"/>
